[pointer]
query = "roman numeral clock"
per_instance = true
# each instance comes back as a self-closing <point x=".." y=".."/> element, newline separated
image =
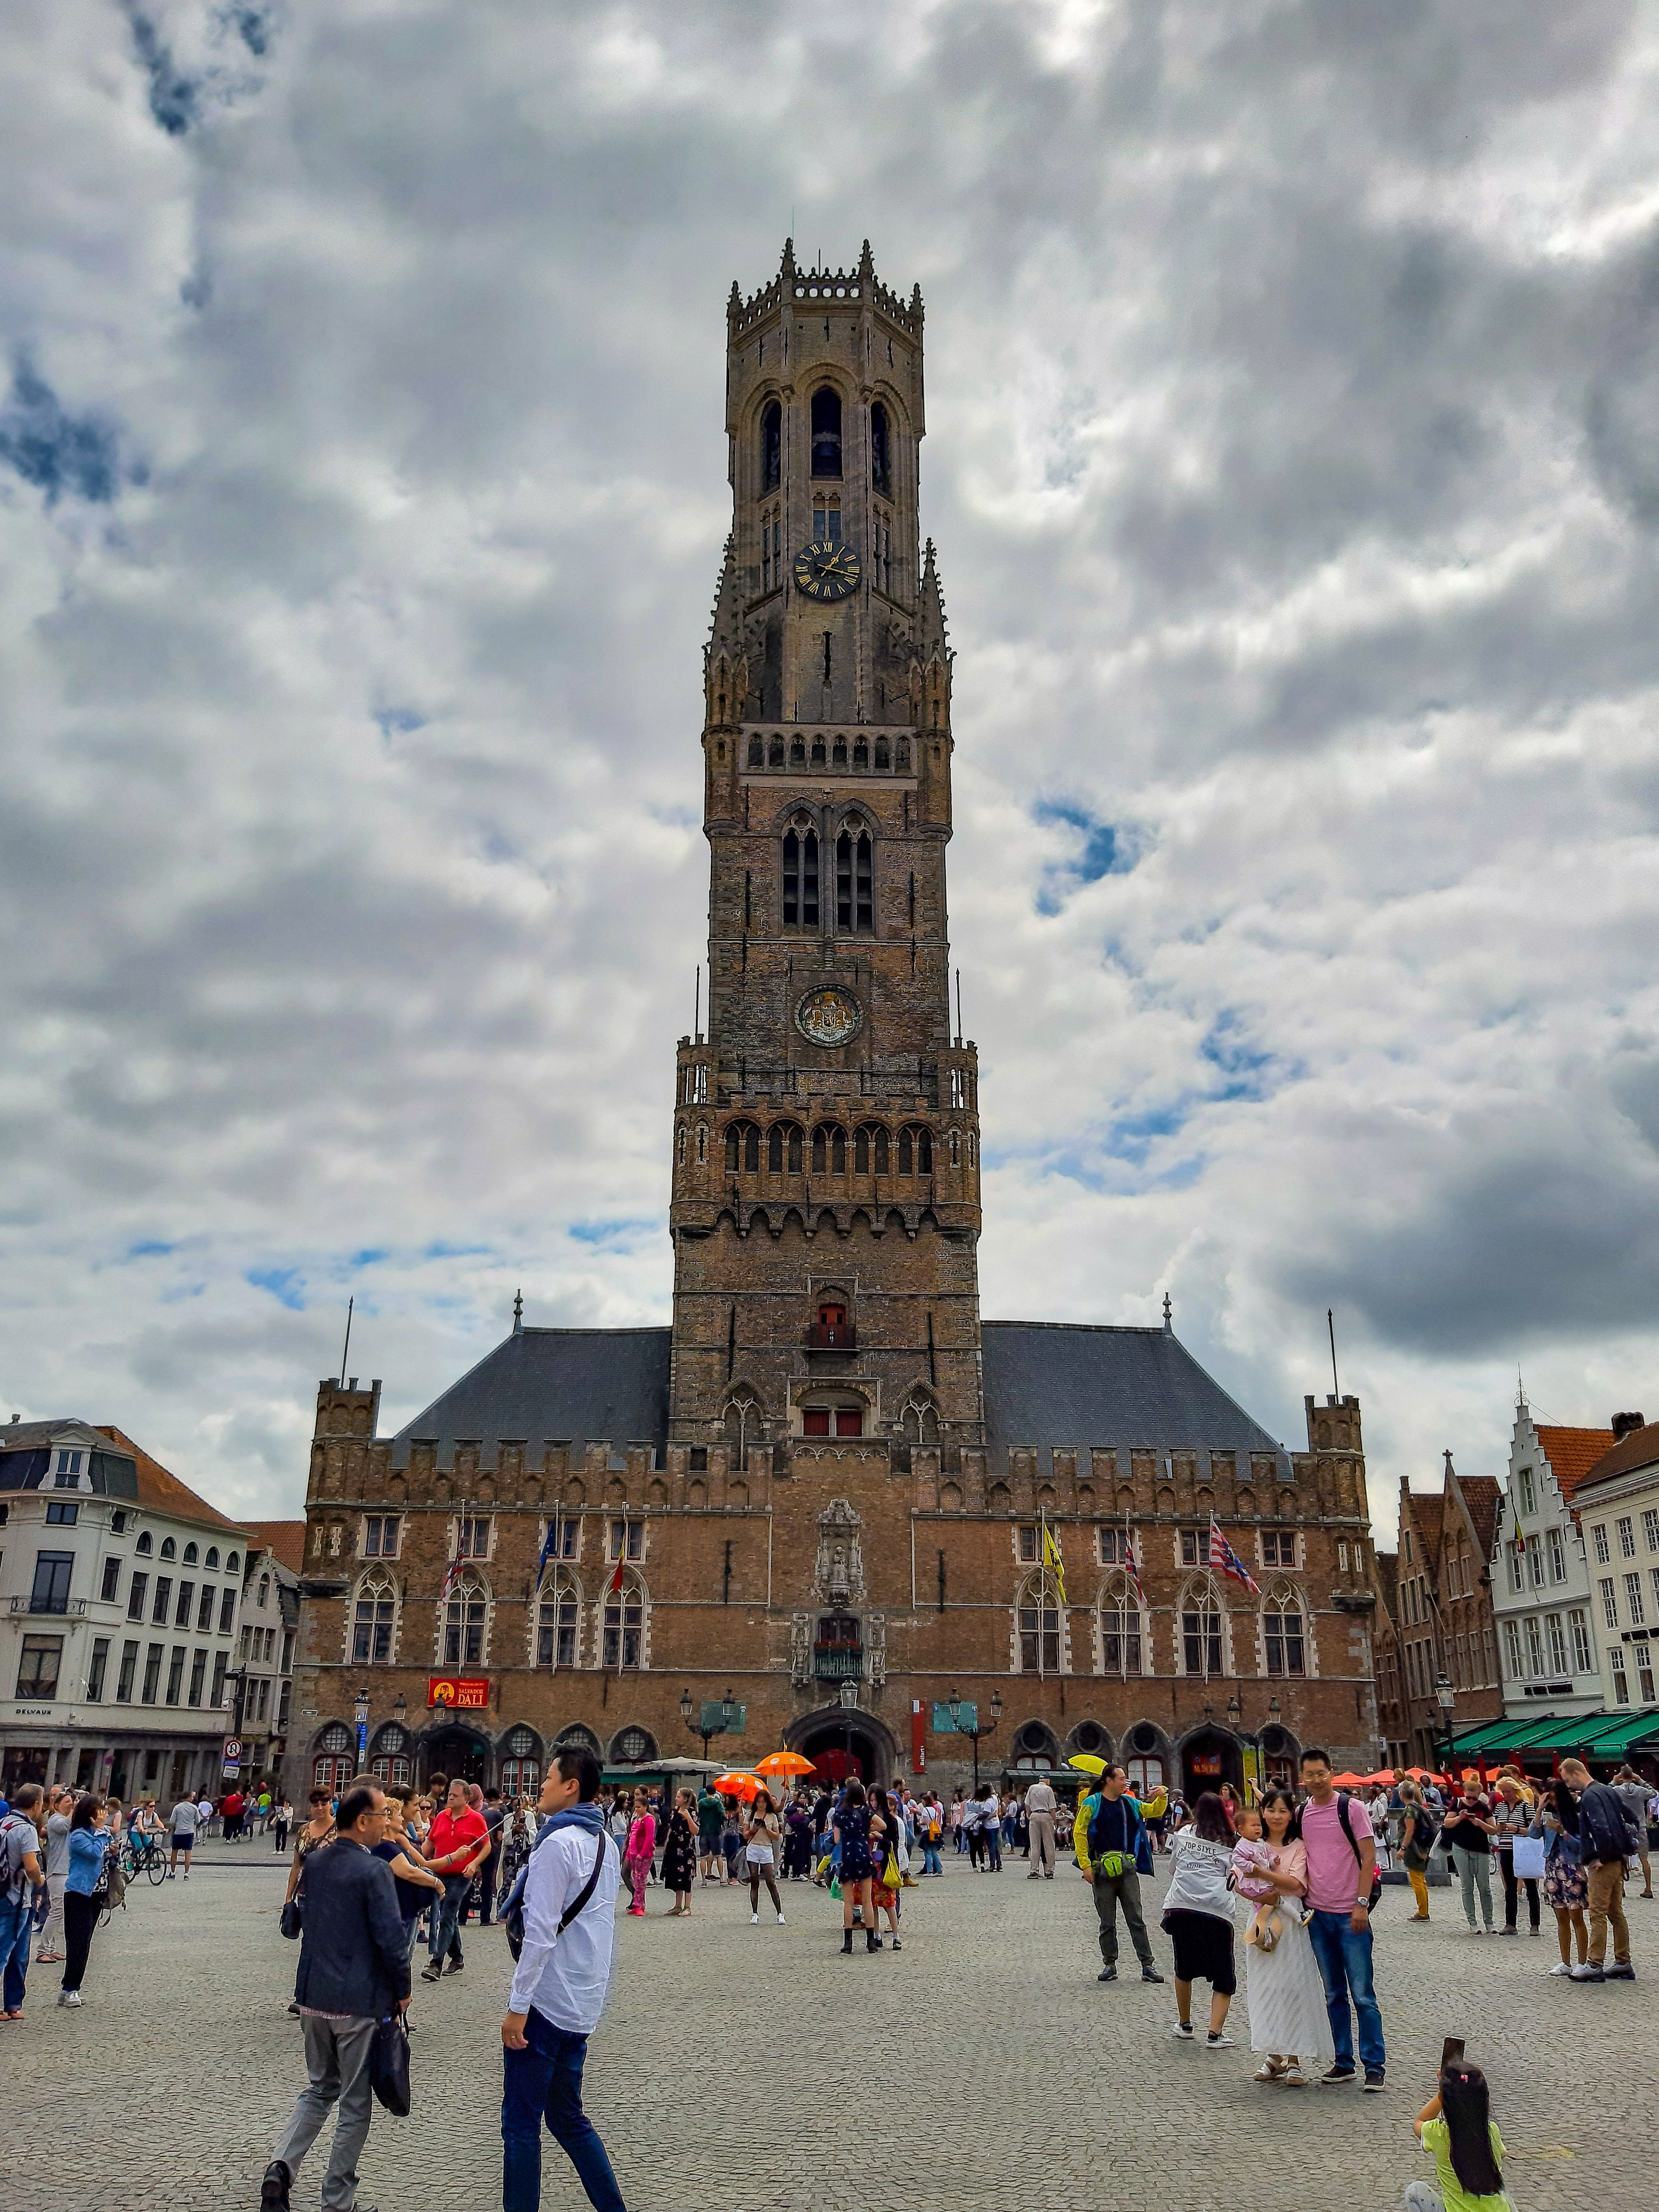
<point x="823" y="571"/>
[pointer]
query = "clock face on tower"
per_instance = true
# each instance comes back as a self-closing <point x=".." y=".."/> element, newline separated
<point x="829" y="1016"/>
<point x="823" y="571"/>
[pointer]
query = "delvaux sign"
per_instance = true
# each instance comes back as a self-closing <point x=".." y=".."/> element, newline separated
<point x="459" y="1692"/>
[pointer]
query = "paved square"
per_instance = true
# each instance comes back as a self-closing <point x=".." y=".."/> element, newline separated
<point x="753" y="2068"/>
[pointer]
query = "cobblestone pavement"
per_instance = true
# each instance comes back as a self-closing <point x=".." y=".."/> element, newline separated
<point x="983" y="2067"/>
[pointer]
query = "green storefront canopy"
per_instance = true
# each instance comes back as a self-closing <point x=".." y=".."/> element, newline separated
<point x="1598" y="1735"/>
<point x="1623" y="1733"/>
<point x="1498" y="1734"/>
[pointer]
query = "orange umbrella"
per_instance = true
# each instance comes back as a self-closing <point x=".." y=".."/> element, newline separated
<point x="737" y="1785"/>
<point x="1383" y="1774"/>
<point x="1347" y="1781"/>
<point x="784" y="1762"/>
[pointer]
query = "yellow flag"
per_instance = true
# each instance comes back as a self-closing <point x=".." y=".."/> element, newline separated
<point x="1051" y="1558"/>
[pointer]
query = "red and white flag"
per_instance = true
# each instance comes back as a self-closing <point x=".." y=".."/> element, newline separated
<point x="1225" y="1561"/>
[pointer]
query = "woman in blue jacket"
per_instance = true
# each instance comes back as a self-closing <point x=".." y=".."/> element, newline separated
<point x="88" y="1845"/>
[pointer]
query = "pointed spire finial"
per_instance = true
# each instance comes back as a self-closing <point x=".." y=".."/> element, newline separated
<point x="1169" y="1315"/>
<point x="1520" y="1393"/>
<point x="517" y="1313"/>
<point x="867" y="266"/>
<point x="787" y="266"/>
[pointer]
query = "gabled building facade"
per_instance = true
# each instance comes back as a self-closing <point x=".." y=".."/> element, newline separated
<point x="266" y="1637"/>
<point x="1544" y="1598"/>
<point x="1618" y="1507"/>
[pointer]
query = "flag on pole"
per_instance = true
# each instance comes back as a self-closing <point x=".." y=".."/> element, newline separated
<point x="1225" y="1561"/>
<point x="1051" y="1558"/>
<point x="616" y="1582"/>
<point x="549" y="1548"/>
<point x="1132" y="1568"/>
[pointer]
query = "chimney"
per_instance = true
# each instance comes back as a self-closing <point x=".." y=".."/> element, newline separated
<point x="1623" y="1423"/>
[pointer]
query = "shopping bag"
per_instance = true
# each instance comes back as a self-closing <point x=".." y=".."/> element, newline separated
<point x="388" y="2065"/>
<point x="1530" y="1855"/>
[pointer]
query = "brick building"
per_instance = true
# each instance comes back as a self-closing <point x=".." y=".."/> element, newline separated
<point x="823" y="1490"/>
<point x="1440" y="1627"/>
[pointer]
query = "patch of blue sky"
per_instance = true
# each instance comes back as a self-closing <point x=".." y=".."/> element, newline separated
<point x="52" y="449"/>
<point x="1247" y="1069"/>
<point x="615" y="1232"/>
<point x="152" y="1247"/>
<point x="443" y="1251"/>
<point x="398" y="721"/>
<point x="285" y="1284"/>
<point x="1101" y="849"/>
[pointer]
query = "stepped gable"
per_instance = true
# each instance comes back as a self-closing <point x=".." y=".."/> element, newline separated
<point x="545" y="1386"/>
<point x="1048" y="1383"/>
<point x="1572" y="1453"/>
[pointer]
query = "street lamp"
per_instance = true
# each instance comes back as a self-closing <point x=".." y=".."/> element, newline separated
<point x="725" y="1725"/>
<point x="953" y="1706"/>
<point x="1448" y="1698"/>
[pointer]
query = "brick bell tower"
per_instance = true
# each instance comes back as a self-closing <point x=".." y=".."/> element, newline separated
<point x="826" y="1204"/>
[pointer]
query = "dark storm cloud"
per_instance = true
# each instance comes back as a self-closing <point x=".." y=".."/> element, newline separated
<point x="1293" y="455"/>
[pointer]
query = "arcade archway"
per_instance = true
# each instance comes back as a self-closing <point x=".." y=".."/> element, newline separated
<point x="842" y="1741"/>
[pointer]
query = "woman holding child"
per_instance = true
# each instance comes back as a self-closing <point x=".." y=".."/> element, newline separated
<point x="1283" y="1993"/>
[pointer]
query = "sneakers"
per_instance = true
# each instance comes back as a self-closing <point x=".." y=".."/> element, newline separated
<point x="1150" y="1974"/>
<point x="1620" y="1971"/>
<point x="431" y="1973"/>
<point x="454" y="1966"/>
<point x="1107" y="1974"/>
<point x="69" y="1996"/>
<point x="1511" y="1931"/>
<point x="1182" y="2030"/>
<point x="897" y="1946"/>
<point x="1375" y="2084"/>
<point x="754" y="1920"/>
<point x="1588" y="1973"/>
<point x="1336" y="2077"/>
<point x="1216" y="2040"/>
<point x="780" y="1920"/>
<point x="1561" y="1968"/>
<point x="273" y="2190"/>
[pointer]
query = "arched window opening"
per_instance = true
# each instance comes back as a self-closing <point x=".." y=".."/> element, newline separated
<point x="924" y="1152"/>
<point x="838" y="753"/>
<point x="819" y="1151"/>
<point x="906" y="1152"/>
<point x="625" y="1625"/>
<point x="702" y="1143"/>
<point x="956" y="1150"/>
<point x="775" y="1149"/>
<point x="881" y="451"/>
<point x="881" y="1152"/>
<point x="734" y="1148"/>
<point x="1121" y="1644"/>
<point x="521" y="1770"/>
<point x="860" y="752"/>
<point x="798" y="752"/>
<point x="168" y="1547"/>
<point x="334" y="1765"/>
<point x="757" y="753"/>
<point x="189" y="1555"/>
<point x="558" y="1622"/>
<point x="921" y="1421"/>
<point x="1039" y="1626"/>
<point x="373" y="1617"/>
<point x="752" y="1150"/>
<point x="774" y="753"/>
<point x="463" y="1622"/>
<point x="901" y="757"/>
<point x="1200" y="1630"/>
<point x="832" y="1331"/>
<point x="854" y="901"/>
<point x="838" y="1152"/>
<point x="826" y="432"/>
<point x="771" y="454"/>
<point x="1282" y="1634"/>
<point x="861" y="1152"/>
<point x="800" y="874"/>
<point x="884" y="757"/>
<point x="820" y="754"/>
<point x="680" y="1146"/>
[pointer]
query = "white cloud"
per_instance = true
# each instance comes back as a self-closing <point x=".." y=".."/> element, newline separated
<point x="1294" y="459"/>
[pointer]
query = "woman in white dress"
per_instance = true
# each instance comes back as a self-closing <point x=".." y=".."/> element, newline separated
<point x="1283" y="1993"/>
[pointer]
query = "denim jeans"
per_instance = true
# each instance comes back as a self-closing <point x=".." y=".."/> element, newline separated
<point x="1344" y="1967"/>
<point x="447" y="1913"/>
<point x="930" y="1859"/>
<point x="16" y="1928"/>
<point x="544" y="2081"/>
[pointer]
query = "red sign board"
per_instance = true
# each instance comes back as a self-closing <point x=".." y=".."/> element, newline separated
<point x="1205" y="1762"/>
<point x="464" y="1693"/>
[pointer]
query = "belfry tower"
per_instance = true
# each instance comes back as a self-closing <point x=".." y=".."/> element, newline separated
<point x="825" y="1211"/>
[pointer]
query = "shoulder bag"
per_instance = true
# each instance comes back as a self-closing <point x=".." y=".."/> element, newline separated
<point x="388" y="2065"/>
<point x="514" y="1916"/>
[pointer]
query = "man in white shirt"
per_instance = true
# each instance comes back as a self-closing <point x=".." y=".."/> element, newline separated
<point x="185" y="1818"/>
<point x="559" y="1989"/>
<point x="1041" y="1806"/>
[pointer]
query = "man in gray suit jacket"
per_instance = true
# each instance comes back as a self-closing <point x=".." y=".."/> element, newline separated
<point x="354" y="1970"/>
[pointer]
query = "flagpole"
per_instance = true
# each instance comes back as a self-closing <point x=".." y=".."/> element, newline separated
<point x="1042" y="1580"/>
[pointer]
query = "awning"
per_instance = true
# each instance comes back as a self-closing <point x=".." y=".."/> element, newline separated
<point x="1599" y="1734"/>
<point x="1622" y="1733"/>
<point x="1497" y="1735"/>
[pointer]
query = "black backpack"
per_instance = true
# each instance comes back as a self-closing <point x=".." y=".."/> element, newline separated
<point x="1347" y="1830"/>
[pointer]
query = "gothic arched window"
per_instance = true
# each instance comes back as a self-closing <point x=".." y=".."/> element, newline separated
<point x="1201" y="1630"/>
<point x="775" y="1149"/>
<point x="861" y="1152"/>
<point x="838" y="1151"/>
<point x="1038" y="1611"/>
<point x="774" y="753"/>
<point x="783" y="1148"/>
<point x="623" y="1623"/>
<point x="771" y="453"/>
<point x="1282" y="1633"/>
<point x="465" y="1621"/>
<point x="854" y="898"/>
<point x="1122" y="1638"/>
<point x="558" y="1622"/>
<point x="826" y="431"/>
<point x="374" y="1618"/>
<point x="757" y="753"/>
<point x="906" y="1153"/>
<point x="800" y="873"/>
<point x="921" y="1419"/>
<point x="881" y="451"/>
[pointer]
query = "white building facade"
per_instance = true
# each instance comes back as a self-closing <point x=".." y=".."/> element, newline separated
<point x="1618" y="1506"/>
<point x="120" y="1593"/>
<point x="1544" y="1599"/>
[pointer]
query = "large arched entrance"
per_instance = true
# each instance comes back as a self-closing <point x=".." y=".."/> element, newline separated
<point x="459" y="1752"/>
<point x="842" y="1740"/>
<point x="1209" y="1757"/>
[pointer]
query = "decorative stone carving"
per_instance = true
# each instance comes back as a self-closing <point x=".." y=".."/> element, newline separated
<point x="838" y="1578"/>
<point x="875" y="1648"/>
<point x="800" y="1649"/>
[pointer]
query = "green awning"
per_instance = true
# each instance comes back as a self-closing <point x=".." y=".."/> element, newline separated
<point x="1622" y="1733"/>
<point x="1600" y="1735"/>
<point x="1498" y="1734"/>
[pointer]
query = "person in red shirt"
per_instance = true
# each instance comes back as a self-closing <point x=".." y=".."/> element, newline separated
<point x="231" y="1812"/>
<point x="456" y="1846"/>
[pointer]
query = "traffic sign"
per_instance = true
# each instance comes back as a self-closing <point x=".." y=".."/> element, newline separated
<point x="232" y="1746"/>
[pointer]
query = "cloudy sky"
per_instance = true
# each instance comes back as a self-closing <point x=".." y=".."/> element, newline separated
<point x="1293" y="455"/>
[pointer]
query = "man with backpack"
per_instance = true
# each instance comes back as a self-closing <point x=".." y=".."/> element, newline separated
<point x="1113" y="1851"/>
<point x="1336" y="1834"/>
<point x="568" y="1897"/>
<point x="21" y="1876"/>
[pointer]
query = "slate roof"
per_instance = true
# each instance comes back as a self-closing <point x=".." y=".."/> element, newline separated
<point x="1638" y="1448"/>
<point x="541" y="1385"/>
<point x="1572" y="1453"/>
<point x="1068" y="1383"/>
<point x="163" y="1493"/>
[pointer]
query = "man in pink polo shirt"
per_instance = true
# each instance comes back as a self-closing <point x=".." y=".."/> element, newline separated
<point x="1337" y="1835"/>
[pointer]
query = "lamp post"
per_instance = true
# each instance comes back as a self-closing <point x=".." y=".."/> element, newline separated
<point x="1448" y="1698"/>
<point x="726" y="1723"/>
<point x="848" y="1694"/>
<point x="953" y="1706"/>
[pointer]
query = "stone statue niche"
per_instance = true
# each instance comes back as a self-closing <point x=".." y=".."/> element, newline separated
<point x="838" y="1578"/>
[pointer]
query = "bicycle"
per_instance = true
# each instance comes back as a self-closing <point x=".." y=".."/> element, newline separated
<point x="144" y="1854"/>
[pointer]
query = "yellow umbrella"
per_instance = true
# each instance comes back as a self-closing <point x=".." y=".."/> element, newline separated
<point x="1089" y="1762"/>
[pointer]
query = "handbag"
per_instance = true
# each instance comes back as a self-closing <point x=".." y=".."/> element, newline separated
<point x="388" y="2065"/>
<point x="890" y="1872"/>
<point x="293" y="1920"/>
<point x="1531" y="1853"/>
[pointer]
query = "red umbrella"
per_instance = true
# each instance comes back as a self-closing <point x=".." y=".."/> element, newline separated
<point x="737" y="1785"/>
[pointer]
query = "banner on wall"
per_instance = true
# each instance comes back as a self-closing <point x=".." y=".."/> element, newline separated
<point x="459" y="1692"/>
